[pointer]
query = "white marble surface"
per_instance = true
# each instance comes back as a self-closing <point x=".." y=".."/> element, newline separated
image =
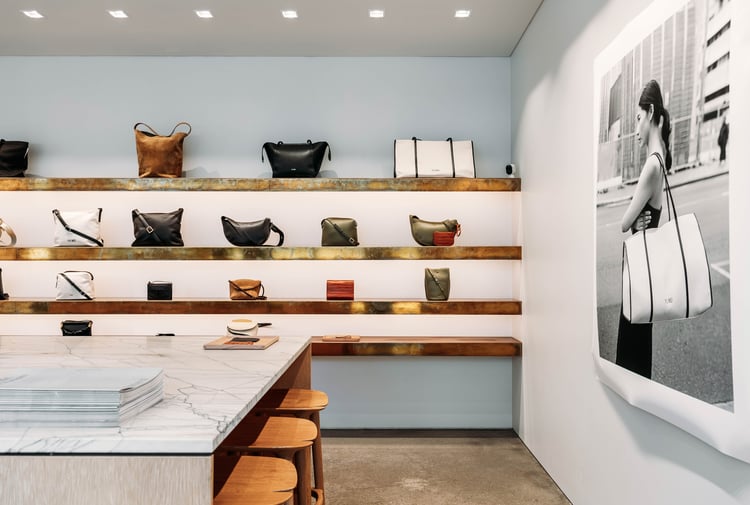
<point x="206" y="393"/>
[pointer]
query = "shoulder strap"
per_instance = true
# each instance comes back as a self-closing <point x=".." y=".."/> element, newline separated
<point x="416" y="161"/>
<point x="9" y="231"/>
<point x="349" y="239"/>
<point x="453" y="159"/>
<point x="249" y="294"/>
<point x="147" y="126"/>
<point x="190" y="128"/>
<point x="75" y="286"/>
<point x="281" y="234"/>
<point x="149" y="229"/>
<point x="98" y="242"/>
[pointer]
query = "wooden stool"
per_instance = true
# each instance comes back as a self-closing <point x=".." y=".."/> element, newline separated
<point x="259" y="480"/>
<point x="303" y="403"/>
<point x="285" y="437"/>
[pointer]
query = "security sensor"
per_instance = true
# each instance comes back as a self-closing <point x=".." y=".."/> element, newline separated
<point x="510" y="169"/>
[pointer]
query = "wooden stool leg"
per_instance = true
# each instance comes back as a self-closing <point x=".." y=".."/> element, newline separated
<point x="303" y="491"/>
<point x="317" y="451"/>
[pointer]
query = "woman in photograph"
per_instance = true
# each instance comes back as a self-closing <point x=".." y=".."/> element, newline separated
<point x="653" y="128"/>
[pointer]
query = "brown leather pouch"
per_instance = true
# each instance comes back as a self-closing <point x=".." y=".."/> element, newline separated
<point x="159" y="156"/>
<point x="340" y="290"/>
<point x="246" y="289"/>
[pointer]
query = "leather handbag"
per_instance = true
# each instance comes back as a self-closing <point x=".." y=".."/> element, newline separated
<point x="5" y="229"/>
<point x="246" y="289"/>
<point x="160" y="156"/>
<point x="242" y="328"/>
<point x="339" y="231"/>
<point x="340" y="289"/>
<point x="424" y="231"/>
<point x="73" y="328"/>
<point x="665" y="270"/>
<point x="159" y="290"/>
<point x="252" y="233"/>
<point x="437" y="283"/>
<point x="433" y="158"/>
<point x="78" y="228"/>
<point x="296" y="160"/>
<point x="160" y="229"/>
<point x="75" y="285"/>
<point x="14" y="158"/>
<point x="3" y="294"/>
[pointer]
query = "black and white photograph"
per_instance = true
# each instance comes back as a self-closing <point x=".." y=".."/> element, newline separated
<point x="662" y="179"/>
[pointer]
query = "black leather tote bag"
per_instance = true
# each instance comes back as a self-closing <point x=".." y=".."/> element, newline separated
<point x="296" y="160"/>
<point x="14" y="158"/>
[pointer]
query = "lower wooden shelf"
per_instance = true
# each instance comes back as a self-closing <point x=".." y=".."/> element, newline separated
<point x="188" y="306"/>
<point x="419" y="346"/>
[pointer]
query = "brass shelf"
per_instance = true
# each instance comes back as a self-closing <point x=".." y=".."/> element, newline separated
<point x="191" y="306"/>
<point x="259" y="253"/>
<point x="419" y="346"/>
<point x="248" y="184"/>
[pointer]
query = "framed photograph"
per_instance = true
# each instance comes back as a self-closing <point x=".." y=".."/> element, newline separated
<point x="662" y="172"/>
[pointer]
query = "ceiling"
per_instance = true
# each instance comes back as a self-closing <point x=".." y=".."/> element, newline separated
<point x="256" y="28"/>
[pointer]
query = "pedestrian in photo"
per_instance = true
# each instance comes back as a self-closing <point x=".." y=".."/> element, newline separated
<point x="723" y="139"/>
<point x="634" y="350"/>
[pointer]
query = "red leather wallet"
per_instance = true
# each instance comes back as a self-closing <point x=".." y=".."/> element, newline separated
<point x="443" y="238"/>
<point x="340" y="290"/>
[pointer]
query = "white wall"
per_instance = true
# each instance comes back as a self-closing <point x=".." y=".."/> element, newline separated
<point x="599" y="449"/>
<point x="78" y="114"/>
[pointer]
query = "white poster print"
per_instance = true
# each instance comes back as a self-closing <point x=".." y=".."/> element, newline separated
<point x="662" y="122"/>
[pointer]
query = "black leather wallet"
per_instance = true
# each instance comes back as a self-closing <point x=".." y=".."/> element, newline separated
<point x="159" y="290"/>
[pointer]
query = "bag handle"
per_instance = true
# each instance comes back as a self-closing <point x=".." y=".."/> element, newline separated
<point x="135" y="127"/>
<point x="75" y="286"/>
<point x="9" y="231"/>
<point x="190" y="128"/>
<point x="149" y="229"/>
<point x="249" y="294"/>
<point x="453" y="160"/>
<point x="349" y="239"/>
<point x="98" y="242"/>
<point x="437" y="282"/>
<point x="281" y="234"/>
<point x="280" y="143"/>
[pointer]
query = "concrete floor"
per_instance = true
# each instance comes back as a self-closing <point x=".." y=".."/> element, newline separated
<point x="409" y="467"/>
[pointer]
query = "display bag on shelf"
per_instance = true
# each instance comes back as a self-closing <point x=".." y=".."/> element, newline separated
<point x="665" y="270"/>
<point x="158" y="155"/>
<point x="340" y="289"/>
<point x="75" y="285"/>
<point x="433" y="158"/>
<point x="295" y="160"/>
<point x="424" y="231"/>
<point x="437" y="283"/>
<point x="3" y="294"/>
<point x="242" y="328"/>
<point x="249" y="234"/>
<point x="6" y="230"/>
<point x="14" y="158"/>
<point x="339" y="231"/>
<point x="246" y="289"/>
<point x="78" y="228"/>
<point x="75" y="328"/>
<point x="160" y="229"/>
<point x="159" y="290"/>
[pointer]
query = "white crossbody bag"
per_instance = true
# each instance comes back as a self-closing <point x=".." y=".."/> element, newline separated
<point x="75" y="285"/>
<point x="78" y="228"/>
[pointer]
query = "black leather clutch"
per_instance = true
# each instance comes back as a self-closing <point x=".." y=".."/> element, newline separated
<point x="72" y="328"/>
<point x="159" y="290"/>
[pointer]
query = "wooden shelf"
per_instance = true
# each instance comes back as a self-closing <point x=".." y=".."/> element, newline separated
<point x="258" y="253"/>
<point x="419" y="346"/>
<point x="189" y="306"/>
<point x="199" y="184"/>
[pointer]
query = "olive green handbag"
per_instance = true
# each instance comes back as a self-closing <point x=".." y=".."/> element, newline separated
<point x="423" y="231"/>
<point x="339" y="231"/>
<point x="437" y="283"/>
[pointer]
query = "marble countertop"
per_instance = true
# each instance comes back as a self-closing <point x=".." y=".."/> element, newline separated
<point x="206" y="393"/>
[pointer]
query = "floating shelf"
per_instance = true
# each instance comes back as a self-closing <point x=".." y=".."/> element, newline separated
<point x="198" y="184"/>
<point x="419" y="346"/>
<point x="259" y="253"/>
<point x="133" y="306"/>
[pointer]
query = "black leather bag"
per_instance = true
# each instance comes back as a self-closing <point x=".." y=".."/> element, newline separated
<point x="72" y="328"/>
<point x="252" y="233"/>
<point x="296" y="160"/>
<point x="159" y="290"/>
<point x="160" y="229"/>
<point x="14" y="158"/>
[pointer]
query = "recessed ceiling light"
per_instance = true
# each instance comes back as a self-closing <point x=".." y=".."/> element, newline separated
<point x="377" y="13"/>
<point x="118" y="14"/>
<point x="33" y="14"/>
<point x="204" y="14"/>
<point x="289" y="14"/>
<point x="463" y="13"/>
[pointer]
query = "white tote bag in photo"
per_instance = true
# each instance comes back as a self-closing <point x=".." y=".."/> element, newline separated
<point x="78" y="228"/>
<point x="433" y="158"/>
<point x="75" y="285"/>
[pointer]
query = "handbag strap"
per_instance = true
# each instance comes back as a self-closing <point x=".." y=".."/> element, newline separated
<point x="263" y="148"/>
<point x="349" y="239"/>
<point x="98" y="242"/>
<point x="453" y="160"/>
<point x="248" y="293"/>
<point x="416" y="161"/>
<point x="9" y="231"/>
<point x="281" y="234"/>
<point x="437" y="282"/>
<point x="190" y="128"/>
<point x="75" y="286"/>
<point x="135" y="127"/>
<point x="149" y="229"/>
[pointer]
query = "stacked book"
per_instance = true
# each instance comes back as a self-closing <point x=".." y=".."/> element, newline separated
<point x="77" y="396"/>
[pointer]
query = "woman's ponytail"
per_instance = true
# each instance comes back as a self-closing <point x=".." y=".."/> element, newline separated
<point x="666" y="130"/>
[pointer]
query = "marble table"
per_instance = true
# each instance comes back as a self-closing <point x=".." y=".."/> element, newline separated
<point x="163" y="455"/>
